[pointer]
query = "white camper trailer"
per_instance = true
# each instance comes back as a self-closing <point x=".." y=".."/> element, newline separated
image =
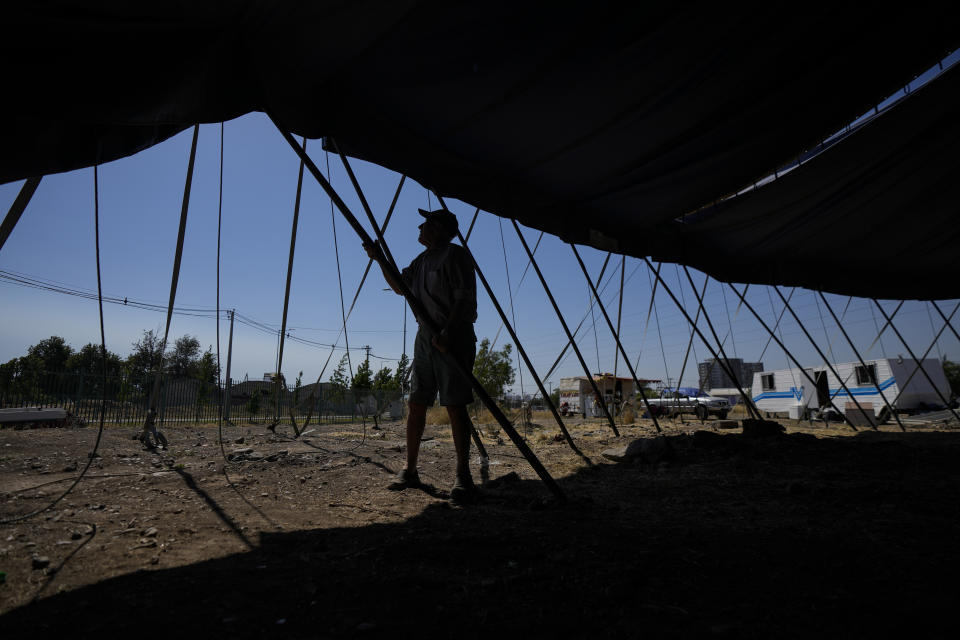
<point x="789" y="391"/>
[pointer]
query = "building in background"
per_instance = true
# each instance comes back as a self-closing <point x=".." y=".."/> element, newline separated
<point x="713" y="378"/>
<point x="577" y="394"/>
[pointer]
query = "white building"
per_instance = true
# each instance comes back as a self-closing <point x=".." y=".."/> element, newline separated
<point x="577" y="394"/>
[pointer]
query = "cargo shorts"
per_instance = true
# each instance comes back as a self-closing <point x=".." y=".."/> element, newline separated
<point x="434" y="372"/>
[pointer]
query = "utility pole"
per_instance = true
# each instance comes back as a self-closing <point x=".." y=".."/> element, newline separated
<point x="228" y="398"/>
<point x="367" y="349"/>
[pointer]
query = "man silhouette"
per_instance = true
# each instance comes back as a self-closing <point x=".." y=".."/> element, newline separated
<point x="443" y="280"/>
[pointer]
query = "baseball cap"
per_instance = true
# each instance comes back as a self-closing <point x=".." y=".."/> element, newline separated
<point x="446" y="220"/>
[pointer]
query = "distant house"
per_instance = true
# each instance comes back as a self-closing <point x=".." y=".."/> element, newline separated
<point x="578" y="393"/>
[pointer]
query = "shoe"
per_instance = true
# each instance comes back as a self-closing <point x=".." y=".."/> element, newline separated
<point x="463" y="490"/>
<point x="406" y="479"/>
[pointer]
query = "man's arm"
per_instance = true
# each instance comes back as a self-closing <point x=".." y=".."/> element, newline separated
<point x="377" y="256"/>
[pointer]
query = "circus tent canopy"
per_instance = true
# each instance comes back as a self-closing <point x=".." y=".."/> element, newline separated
<point x="604" y="124"/>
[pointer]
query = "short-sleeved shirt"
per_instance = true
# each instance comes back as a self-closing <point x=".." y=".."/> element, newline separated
<point x="441" y="276"/>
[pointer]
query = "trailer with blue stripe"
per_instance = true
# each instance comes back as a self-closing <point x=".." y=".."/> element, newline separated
<point x="875" y="384"/>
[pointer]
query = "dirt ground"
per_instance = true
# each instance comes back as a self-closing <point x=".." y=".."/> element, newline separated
<point x="814" y="532"/>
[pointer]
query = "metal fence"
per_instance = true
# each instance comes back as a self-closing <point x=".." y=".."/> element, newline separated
<point x="189" y="400"/>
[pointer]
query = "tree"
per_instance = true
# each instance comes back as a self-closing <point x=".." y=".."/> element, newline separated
<point x="386" y="388"/>
<point x="183" y="359"/>
<point x="555" y="397"/>
<point x="649" y="393"/>
<point x="362" y="380"/>
<point x="207" y="375"/>
<point x="253" y="404"/>
<point x="493" y="368"/>
<point x="89" y="361"/>
<point x="952" y="371"/>
<point x="338" y="379"/>
<point x="20" y="377"/>
<point x="384" y="380"/>
<point x="144" y="357"/>
<point x="51" y="354"/>
<point x="403" y="370"/>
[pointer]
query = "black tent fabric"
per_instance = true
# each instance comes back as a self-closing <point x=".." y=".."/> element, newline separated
<point x="876" y="216"/>
<point x="602" y="123"/>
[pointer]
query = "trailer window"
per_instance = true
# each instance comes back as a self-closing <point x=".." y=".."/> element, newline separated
<point x="867" y="374"/>
<point x="767" y="382"/>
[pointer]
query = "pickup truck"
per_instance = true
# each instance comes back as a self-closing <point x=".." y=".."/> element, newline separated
<point x="702" y="406"/>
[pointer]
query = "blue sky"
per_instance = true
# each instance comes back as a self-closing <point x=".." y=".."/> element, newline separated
<point x="140" y="200"/>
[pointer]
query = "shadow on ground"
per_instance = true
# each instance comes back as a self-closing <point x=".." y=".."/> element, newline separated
<point x="785" y="536"/>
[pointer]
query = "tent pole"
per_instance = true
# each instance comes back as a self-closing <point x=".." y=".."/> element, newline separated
<point x="286" y="304"/>
<point x="616" y="338"/>
<point x="363" y="200"/>
<point x="950" y="326"/>
<point x="563" y="351"/>
<point x="623" y="271"/>
<point x="884" y="328"/>
<point x="786" y="351"/>
<point x="149" y="426"/>
<point x="919" y="361"/>
<point x="418" y="309"/>
<point x="17" y="208"/>
<point x="386" y="250"/>
<point x="383" y="228"/>
<point x="516" y="340"/>
<point x="823" y="356"/>
<point x="473" y="221"/>
<point x="860" y="359"/>
<point x="566" y="329"/>
<point x="725" y="363"/>
<point x="686" y="355"/>
<point x="646" y="324"/>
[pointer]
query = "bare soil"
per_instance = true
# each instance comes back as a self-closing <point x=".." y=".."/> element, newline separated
<point x="815" y="532"/>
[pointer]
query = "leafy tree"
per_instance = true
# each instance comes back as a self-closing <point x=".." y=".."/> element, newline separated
<point x="89" y="361"/>
<point x="555" y="397"/>
<point x="279" y="388"/>
<point x="493" y="368"/>
<point x="386" y="389"/>
<point x="88" y="364"/>
<point x="51" y="354"/>
<point x="297" y="385"/>
<point x="362" y="379"/>
<point x="143" y="358"/>
<point x="403" y="370"/>
<point x="207" y="374"/>
<point x="649" y="393"/>
<point x="20" y="376"/>
<point x="183" y="359"/>
<point x="384" y="380"/>
<point x="205" y="368"/>
<point x="253" y="404"/>
<point x="338" y="379"/>
<point x="952" y="371"/>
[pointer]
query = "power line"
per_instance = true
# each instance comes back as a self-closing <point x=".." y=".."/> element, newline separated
<point x="33" y="282"/>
